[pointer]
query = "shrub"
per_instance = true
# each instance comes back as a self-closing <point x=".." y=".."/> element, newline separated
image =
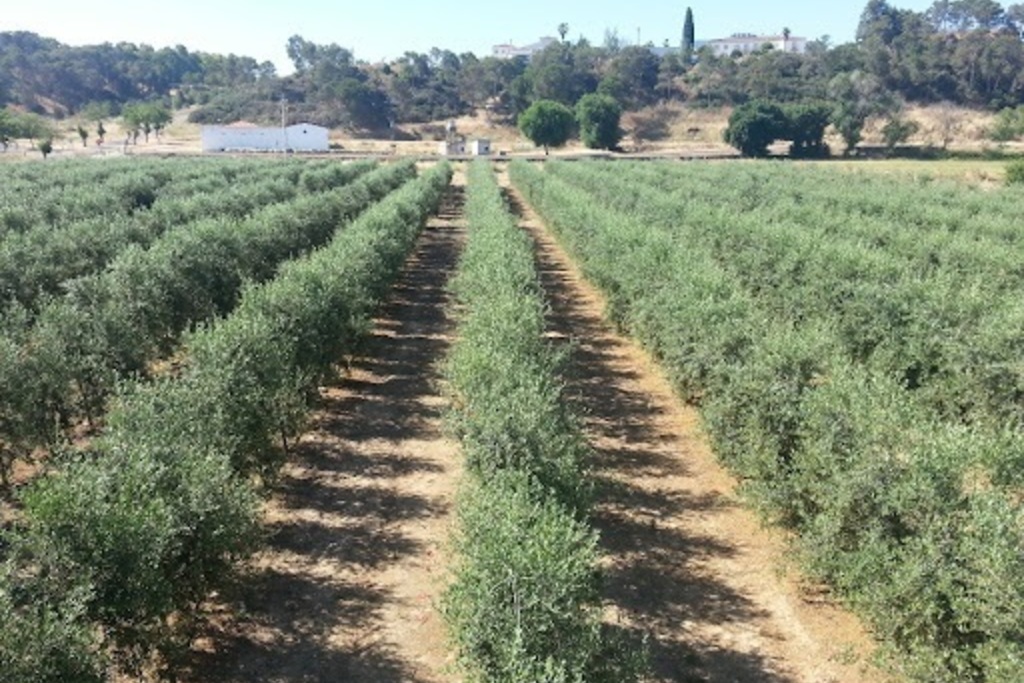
<point x="1015" y="172"/>
<point x="1009" y="124"/>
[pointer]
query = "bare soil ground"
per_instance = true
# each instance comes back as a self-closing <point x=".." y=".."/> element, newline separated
<point x="347" y="586"/>
<point x="685" y="562"/>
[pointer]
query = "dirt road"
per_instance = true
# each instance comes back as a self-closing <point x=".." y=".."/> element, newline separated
<point x="684" y="561"/>
<point x="347" y="585"/>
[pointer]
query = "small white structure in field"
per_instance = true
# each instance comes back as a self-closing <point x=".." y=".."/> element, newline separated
<point x="247" y="137"/>
<point x="480" y="148"/>
<point x="450" y="148"/>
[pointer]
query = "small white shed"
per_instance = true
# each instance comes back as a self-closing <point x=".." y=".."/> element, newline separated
<point x="246" y="137"/>
<point x="480" y="148"/>
<point x="451" y="148"/>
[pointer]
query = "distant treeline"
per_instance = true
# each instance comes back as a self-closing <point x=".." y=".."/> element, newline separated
<point x="967" y="52"/>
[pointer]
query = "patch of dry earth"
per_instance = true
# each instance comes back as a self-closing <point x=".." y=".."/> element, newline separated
<point x="685" y="561"/>
<point x="348" y="584"/>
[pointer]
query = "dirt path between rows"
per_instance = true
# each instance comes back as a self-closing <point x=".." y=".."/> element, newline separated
<point x="685" y="562"/>
<point x="347" y="585"/>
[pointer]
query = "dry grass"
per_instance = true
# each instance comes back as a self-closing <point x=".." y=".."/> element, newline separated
<point x="672" y="128"/>
<point x="976" y="172"/>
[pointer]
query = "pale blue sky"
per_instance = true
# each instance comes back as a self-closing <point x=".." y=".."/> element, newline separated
<point x="385" y="29"/>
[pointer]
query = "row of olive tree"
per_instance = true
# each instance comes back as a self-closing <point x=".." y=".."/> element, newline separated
<point x="114" y="552"/>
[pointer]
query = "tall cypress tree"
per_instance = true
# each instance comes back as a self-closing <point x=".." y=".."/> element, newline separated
<point x="688" y="34"/>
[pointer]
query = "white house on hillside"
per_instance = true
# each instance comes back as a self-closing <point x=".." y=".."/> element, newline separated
<point x="247" y="137"/>
<point x="746" y="43"/>
<point x="508" y="51"/>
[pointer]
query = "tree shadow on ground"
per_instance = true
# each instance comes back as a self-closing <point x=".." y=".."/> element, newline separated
<point x="654" y="577"/>
<point x="308" y="607"/>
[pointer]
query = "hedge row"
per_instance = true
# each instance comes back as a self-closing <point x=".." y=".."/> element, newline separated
<point x="61" y="371"/>
<point x="914" y="517"/>
<point x="149" y="520"/>
<point x="939" y="309"/>
<point x="51" y="196"/>
<point x="525" y="602"/>
<point x="34" y="264"/>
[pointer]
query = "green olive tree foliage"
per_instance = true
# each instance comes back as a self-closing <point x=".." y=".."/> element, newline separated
<point x="113" y="323"/>
<point x="598" y="117"/>
<point x="524" y="604"/>
<point x="74" y="337"/>
<point x="153" y="516"/>
<point x="547" y="124"/>
<point x="856" y="359"/>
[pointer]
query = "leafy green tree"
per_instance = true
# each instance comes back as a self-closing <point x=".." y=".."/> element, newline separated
<point x="426" y="87"/>
<point x="806" y="124"/>
<point x="563" y="30"/>
<point x="879" y="22"/>
<point x="547" y="124"/>
<point x="46" y="147"/>
<point x="1015" y="17"/>
<point x="96" y="111"/>
<point x="632" y="77"/>
<point x="562" y="73"/>
<point x="30" y="126"/>
<point x="6" y="128"/>
<point x="146" y="117"/>
<point x="598" y="117"/>
<point x="83" y="134"/>
<point x="367" y="106"/>
<point x="987" y="69"/>
<point x="302" y="52"/>
<point x="671" y="68"/>
<point x="754" y="126"/>
<point x="897" y="130"/>
<point x="159" y="117"/>
<point x="857" y="96"/>
<point x="779" y="76"/>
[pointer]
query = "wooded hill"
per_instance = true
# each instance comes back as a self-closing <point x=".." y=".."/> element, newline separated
<point x="967" y="52"/>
